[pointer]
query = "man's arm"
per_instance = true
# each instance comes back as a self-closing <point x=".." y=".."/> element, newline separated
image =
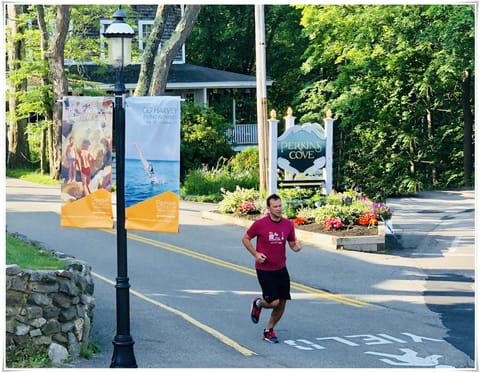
<point x="247" y="242"/>
<point x="295" y="245"/>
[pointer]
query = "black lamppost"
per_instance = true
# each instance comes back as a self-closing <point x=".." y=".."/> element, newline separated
<point x="119" y="35"/>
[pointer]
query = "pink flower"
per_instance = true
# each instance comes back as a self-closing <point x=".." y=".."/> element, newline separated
<point x="246" y="208"/>
<point x="333" y="223"/>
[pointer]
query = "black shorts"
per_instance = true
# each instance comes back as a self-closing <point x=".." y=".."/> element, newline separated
<point x="274" y="284"/>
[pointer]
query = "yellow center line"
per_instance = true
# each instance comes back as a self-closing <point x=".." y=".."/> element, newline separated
<point x="206" y="258"/>
<point x="221" y="337"/>
<point x="294" y="285"/>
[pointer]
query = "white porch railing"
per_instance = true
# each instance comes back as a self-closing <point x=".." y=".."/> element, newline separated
<point x="244" y="134"/>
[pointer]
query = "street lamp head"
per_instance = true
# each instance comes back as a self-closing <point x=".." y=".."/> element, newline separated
<point x="119" y="35"/>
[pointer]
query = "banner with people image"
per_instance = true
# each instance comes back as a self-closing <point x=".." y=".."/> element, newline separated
<point x="152" y="163"/>
<point x="86" y="172"/>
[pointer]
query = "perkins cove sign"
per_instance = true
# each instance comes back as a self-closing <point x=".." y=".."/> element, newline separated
<point x="301" y="149"/>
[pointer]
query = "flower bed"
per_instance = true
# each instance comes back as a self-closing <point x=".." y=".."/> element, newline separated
<point x="341" y="220"/>
<point x="358" y="238"/>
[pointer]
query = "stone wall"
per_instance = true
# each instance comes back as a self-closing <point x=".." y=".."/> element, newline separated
<point x="50" y="307"/>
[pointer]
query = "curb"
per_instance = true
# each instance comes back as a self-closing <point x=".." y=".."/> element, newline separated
<point x="374" y="243"/>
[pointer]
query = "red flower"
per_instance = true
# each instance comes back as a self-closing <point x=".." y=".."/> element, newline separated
<point x="369" y="218"/>
<point x="299" y="221"/>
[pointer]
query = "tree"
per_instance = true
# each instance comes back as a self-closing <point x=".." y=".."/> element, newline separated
<point x="395" y="92"/>
<point x="224" y="38"/>
<point x="55" y="57"/>
<point x="17" y="156"/>
<point x="150" y="50"/>
<point x="45" y="84"/>
<point x="159" y="74"/>
<point x="204" y="140"/>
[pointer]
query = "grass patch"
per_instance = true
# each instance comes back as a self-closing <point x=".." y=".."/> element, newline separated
<point x="89" y="351"/>
<point x="33" y="176"/>
<point x="29" y="256"/>
<point x="27" y="356"/>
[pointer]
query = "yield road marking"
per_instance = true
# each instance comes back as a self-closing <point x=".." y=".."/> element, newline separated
<point x="206" y="258"/>
<point x="221" y="337"/>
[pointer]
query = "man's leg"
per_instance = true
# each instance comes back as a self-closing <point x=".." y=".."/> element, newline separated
<point x="277" y="313"/>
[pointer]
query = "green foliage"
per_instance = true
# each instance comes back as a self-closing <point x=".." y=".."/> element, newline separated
<point x="337" y="211"/>
<point x="294" y="199"/>
<point x="26" y="255"/>
<point x="222" y="38"/>
<point x="245" y="162"/>
<point x="395" y="92"/>
<point x="29" y="355"/>
<point x="307" y="213"/>
<point x="88" y="351"/>
<point x="209" y="183"/>
<point x="80" y="46"/>
<point x="239" y="170"/>
<point x="348" y="214"/>
<point x="347" y="207"/>
<point x="203" y="138"/>
<point x="232" y="200"/>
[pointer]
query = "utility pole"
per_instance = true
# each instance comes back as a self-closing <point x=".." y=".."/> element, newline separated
<point x="261" y="95"/>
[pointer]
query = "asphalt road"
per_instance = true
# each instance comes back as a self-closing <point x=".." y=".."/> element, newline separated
<point x="191" y="292"/>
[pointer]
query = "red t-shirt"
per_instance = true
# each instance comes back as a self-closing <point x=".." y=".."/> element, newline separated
<point x="271" y="239"/>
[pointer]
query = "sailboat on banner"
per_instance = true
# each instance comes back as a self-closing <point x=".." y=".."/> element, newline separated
<point x="148" y="167"/>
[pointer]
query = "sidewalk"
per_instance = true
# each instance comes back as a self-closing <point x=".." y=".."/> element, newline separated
<point x="418" y="218"/>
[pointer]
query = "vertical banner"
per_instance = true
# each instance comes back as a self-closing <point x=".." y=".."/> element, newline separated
<point x="86" y="171"/>
<point x="152" y="163"/>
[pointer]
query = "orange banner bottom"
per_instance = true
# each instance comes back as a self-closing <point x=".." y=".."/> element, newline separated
<point x="91" y="211"/>
<point x="156" y="214"/>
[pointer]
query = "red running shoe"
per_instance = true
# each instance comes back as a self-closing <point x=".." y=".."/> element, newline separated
<point x="270" y="336"/>
<point x="255" y="312"/>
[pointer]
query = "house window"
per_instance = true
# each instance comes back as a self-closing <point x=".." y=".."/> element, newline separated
<point x="145" y="26"/>
<point x="144" y="29"/>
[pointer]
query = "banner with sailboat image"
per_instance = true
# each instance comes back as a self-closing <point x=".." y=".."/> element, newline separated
<point x="152" y="163"/>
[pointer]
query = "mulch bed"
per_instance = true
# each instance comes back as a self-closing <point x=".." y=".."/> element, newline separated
<point x="354" y="230"/>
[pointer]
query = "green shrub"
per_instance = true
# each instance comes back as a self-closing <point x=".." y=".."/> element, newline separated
<point x="227" y="174"/>
<point x="203" y="138"/>
<point x="245" y="162"/>
<point x="29" y="355"/>
<point x="309" y="206"/>
<point x="233" y="200"/>
<point x="307" y="213"/>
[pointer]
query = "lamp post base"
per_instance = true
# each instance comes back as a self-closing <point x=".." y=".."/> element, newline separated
<point x="123" y="356"/>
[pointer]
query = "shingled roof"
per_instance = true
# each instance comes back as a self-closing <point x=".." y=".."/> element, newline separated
<point x="180" y="76"/>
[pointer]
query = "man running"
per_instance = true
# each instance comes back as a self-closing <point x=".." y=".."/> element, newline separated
<point x="271" y="233"/>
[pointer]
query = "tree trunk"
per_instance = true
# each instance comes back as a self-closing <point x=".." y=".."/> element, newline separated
<point x="43" y="151"/>
<point x="17" y="155"/>
<point x="170" y="49"/>
<point x="467" y="130"/>
<point x="45" y="81"/>
<point x="150" y="50"/>
<point x="55" y="56"/>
